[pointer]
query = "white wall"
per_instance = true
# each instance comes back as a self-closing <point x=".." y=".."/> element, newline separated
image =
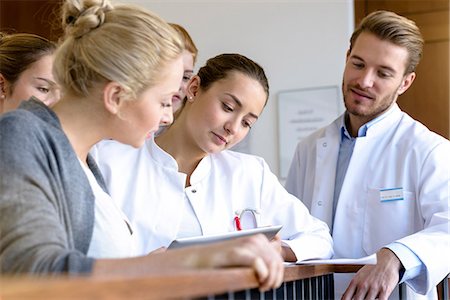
<point x="300" y="43"/>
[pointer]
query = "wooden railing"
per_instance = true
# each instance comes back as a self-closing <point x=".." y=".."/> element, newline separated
<point x="300" y="282"/>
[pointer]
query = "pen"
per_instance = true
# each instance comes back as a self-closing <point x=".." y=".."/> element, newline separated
<point x="237" y="221"/>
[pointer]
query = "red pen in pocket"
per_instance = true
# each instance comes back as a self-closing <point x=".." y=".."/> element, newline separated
<point x="237" y="221"/>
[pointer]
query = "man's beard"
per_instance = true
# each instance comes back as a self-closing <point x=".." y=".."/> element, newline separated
<point x="373" y="111"/>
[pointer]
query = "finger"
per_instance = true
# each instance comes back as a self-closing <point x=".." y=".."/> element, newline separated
<point x="349" y="292"/>
<point x="262" y="273"/>
<point x="280" y="274"/>
<point x="271" y="258"/>
<point x="276" y="272"/>
<point x="372" y="294"/>
<point x="384" y="295"/>
<point x="276" y="244"/>
<point x="277" y="237"/>
<point x="360" y="293"/>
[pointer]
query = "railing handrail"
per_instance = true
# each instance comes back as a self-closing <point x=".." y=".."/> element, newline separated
<point x="167" y="285"/>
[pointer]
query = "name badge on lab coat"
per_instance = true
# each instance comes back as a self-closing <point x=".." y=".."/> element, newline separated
<point x="393" y="194"/>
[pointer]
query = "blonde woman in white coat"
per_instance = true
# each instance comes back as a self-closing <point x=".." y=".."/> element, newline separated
<point x="187" y="183"/>
<point x="118" y="68"/>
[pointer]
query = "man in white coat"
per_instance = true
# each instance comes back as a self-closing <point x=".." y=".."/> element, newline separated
<point x="379" y="178"/>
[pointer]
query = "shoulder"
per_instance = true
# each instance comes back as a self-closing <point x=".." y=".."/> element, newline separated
<point x="16" y="120"/>
<point x="110" y="149"/>
<point x="331" y="130"/>
<point x="414" y="134"/>
<point x="21" y="130"/>
<point x="238" y="160"/>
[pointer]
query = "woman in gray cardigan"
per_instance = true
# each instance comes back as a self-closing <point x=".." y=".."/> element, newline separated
<point x="118" y="68"/>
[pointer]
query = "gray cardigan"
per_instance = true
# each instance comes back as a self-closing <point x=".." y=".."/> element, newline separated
<point x="46" y="202"/>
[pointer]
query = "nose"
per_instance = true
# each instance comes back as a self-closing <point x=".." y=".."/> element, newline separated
<point x="232" y="126"/>
<point x="366" y="79"/>
<point x="167" y="117"/>
<point x="52" y="97"/>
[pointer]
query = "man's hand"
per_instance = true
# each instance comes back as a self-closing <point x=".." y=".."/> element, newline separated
<point x="375" y="281"/>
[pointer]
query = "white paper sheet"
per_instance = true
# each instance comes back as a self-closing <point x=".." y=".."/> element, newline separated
<point x="367" y="260"/>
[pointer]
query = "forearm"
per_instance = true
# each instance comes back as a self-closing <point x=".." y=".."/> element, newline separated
<point x="287" y="254"/>
<point x="154" y="263"/>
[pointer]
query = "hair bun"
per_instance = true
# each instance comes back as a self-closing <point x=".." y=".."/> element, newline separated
<point x="82" y="16"/>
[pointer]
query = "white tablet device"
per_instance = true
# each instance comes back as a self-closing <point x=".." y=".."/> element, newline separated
<point x="268" y="231"/>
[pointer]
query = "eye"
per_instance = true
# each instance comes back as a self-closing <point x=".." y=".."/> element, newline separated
<point x="358" y="65"/>
<point x="247" y="124"/>
<point x="187" y="77"/>
<point x="43" y="90"/>
<point x="384" y="74"/>
<point x="226" y="107"/>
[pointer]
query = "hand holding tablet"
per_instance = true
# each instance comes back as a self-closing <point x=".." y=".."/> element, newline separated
<point x="268" y="231"/>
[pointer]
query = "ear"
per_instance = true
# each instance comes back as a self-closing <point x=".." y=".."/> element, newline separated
<point x="112" y="93"/>
<point x="193" y="88"/>
<point x="406" y="82"/>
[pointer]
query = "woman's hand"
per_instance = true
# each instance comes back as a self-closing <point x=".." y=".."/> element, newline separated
<point x="253" y="251"/>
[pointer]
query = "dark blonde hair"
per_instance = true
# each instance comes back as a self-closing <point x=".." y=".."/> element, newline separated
<point x="125" y="44"/>
<point x="187" y="40"/>
<point x="396" y="29"/>
<point x="220" y="66"/>
<point x="18" y="51"/>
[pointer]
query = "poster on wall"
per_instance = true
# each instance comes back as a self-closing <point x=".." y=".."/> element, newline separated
<point x="300" y="113"/>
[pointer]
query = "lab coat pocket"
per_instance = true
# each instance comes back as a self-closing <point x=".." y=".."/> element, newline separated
<point x="386" y="220"/>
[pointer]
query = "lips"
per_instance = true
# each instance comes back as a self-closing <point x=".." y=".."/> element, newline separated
<point x="176" y="98"/>
<point x="361" y="93"/>
<point x="220" y="138"/>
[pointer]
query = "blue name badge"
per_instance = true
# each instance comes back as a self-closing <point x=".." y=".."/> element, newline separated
<point x="393" y="194"/>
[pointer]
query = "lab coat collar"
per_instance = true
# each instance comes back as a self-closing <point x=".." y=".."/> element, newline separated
<point x="374" y="127"/>
<point x="202" y="170"/>
<point x="159" y="156"/>
<point x="164" y="159"/>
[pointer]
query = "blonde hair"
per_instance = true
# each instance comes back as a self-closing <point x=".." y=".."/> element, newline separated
<point x="189" y="44"/>
<point x="396" y="29"/>
<point x="125" y="44"/>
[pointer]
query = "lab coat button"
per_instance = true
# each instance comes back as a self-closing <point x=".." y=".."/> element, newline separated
<point x="319" y="203"/>
<point x="324" y="144"/>
<point x="194" y="191"/>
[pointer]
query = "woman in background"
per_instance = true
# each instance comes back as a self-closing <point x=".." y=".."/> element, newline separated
<point x="118" y="68"/>
<point x="26" y="62"/>
<point x="186" y="182"/>
<point x="189" y="57"/>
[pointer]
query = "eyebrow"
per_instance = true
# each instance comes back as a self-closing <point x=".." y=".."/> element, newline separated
<point x="239" y="103"/>
<point x="50" y="82"/>
<point x="383" y="67"/>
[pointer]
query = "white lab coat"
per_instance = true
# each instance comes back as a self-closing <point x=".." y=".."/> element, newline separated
<point x="147" y="185"/>
<point x="397" y="152"/>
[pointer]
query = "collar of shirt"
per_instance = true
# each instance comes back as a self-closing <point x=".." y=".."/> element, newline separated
<point x="362" y="131"/>
<point x="164" y="159"/>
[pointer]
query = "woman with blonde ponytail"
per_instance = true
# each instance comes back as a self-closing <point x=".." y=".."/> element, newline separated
<point x="118" y="68"/>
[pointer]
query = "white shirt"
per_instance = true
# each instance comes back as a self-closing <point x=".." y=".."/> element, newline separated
<point x="396" y="153"/>
<point x="112" y="235"/>
<point x="222" y="184"/>
<point x="189" y="225"/>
